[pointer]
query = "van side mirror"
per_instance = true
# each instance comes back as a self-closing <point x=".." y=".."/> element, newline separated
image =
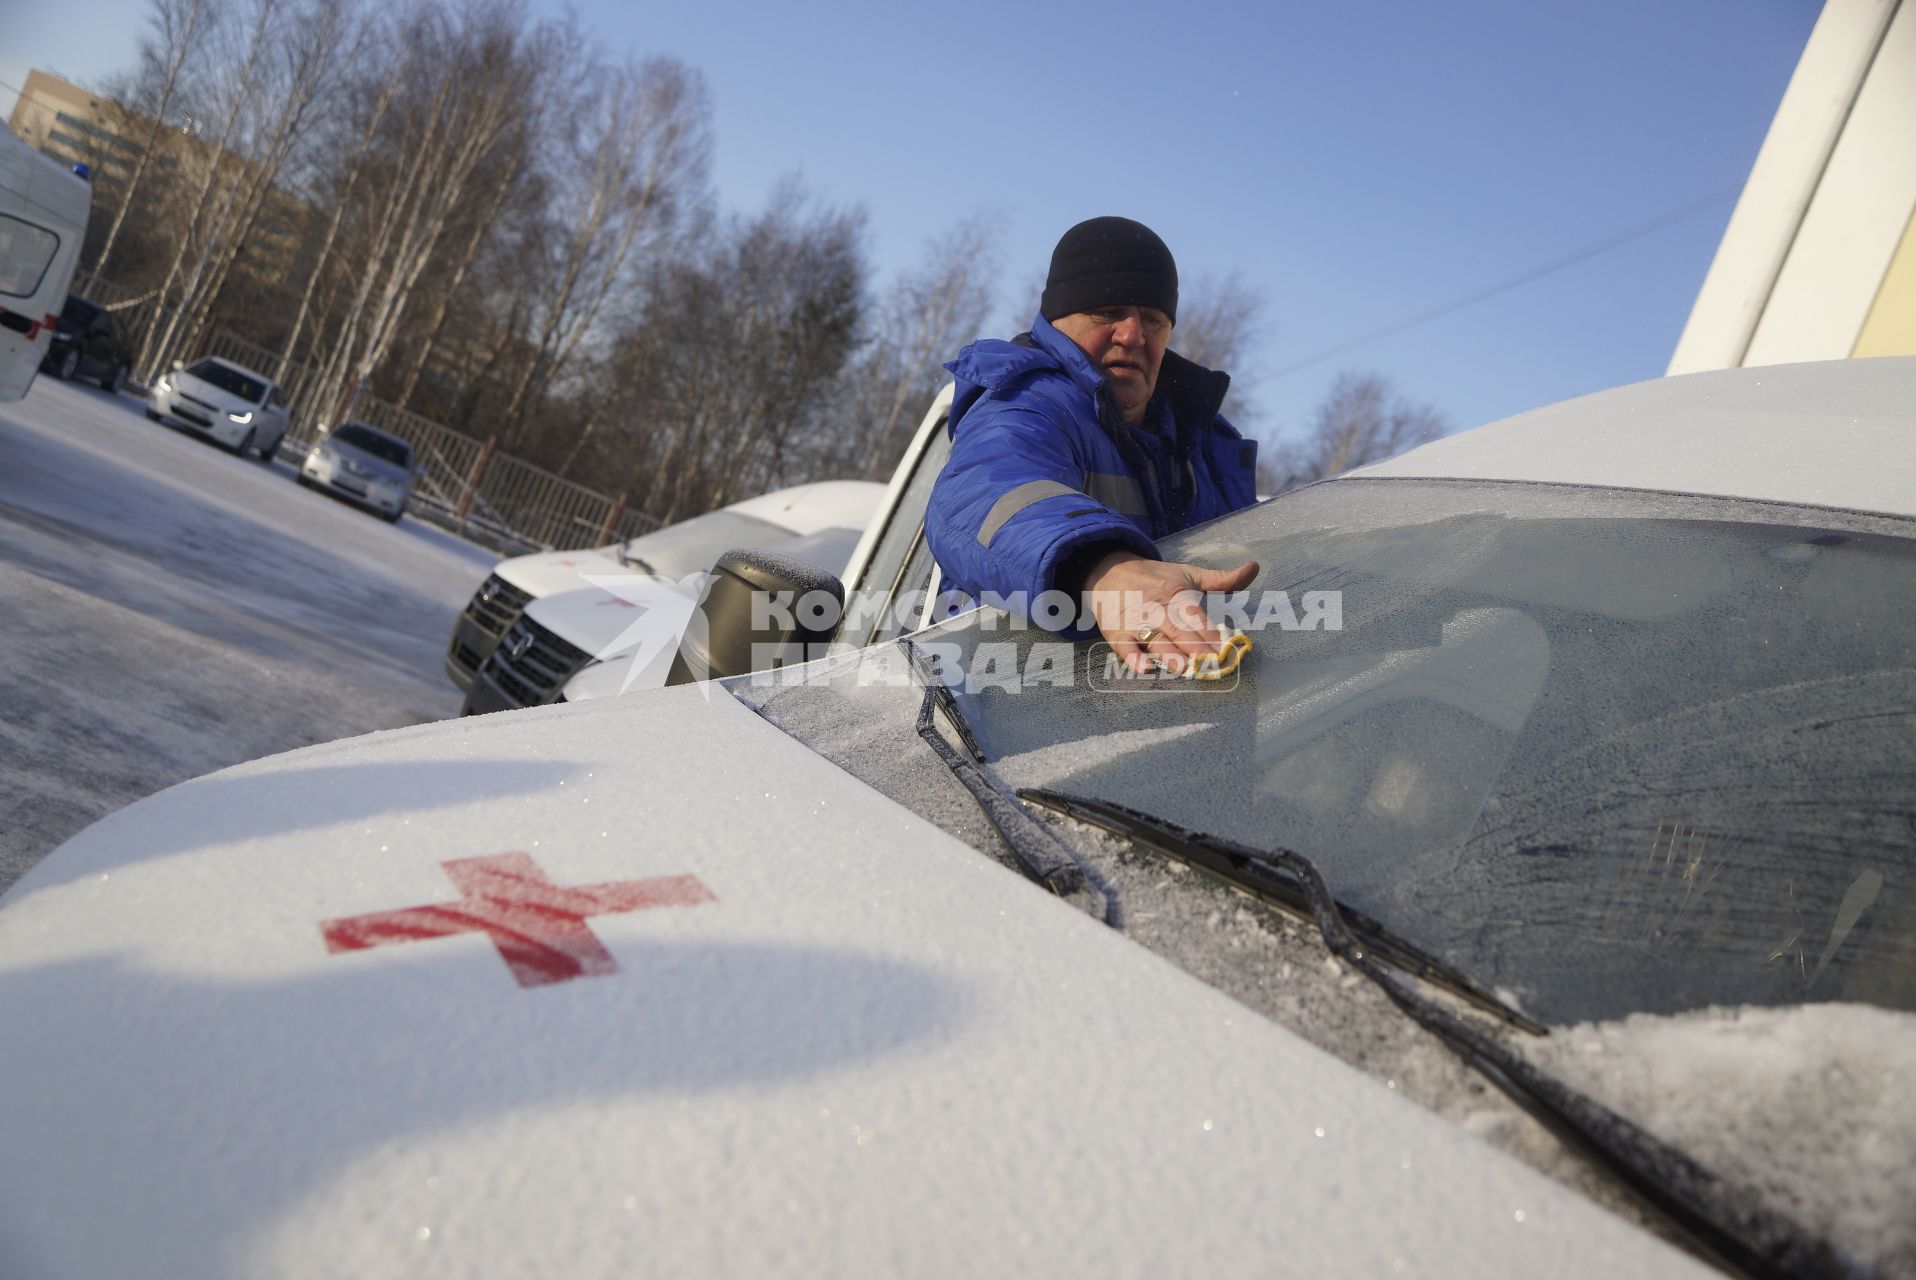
<point x="759" y="611"/>
<point x="178" y="365"/>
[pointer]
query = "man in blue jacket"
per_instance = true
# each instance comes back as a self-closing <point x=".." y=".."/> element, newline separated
<point x="1077" y="445"/>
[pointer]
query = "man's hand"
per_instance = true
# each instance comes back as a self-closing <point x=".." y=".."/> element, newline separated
<point x="1160" y="601"/>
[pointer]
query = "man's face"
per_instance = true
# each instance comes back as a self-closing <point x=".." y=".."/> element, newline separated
<point x="1128" y="344"/>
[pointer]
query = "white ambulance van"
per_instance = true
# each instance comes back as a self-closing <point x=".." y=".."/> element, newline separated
<point x="43" y="215"/>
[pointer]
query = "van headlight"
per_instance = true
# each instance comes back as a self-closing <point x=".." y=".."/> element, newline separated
<point x="241" y="418"/>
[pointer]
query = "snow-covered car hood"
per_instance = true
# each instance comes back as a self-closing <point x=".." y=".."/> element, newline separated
<point x="594" y="617"/>
<point x="822" y="504"/>
<point x="553" y="992"/>
<point x="546" y="572"/>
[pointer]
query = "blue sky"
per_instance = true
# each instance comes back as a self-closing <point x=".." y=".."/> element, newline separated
<point x="1356" y="162"/>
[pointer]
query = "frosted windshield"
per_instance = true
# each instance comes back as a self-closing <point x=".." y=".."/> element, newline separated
<point x="229" y="380"/>
<point x="1614" y="751"/>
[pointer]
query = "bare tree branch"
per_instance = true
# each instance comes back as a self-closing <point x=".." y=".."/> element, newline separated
<point x="1361" y="421"/>
<point x="926" y="316"/>
<point x="177" y="29"/>
<point x="1219" y="320"/>
<point x="637" y="142"/>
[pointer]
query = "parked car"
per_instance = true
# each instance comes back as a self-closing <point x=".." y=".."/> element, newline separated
<point x="1599" y="797"/>
<point x="672" y="552"/>
<point x="368" y="467"/>
<point x="224" y="401"/>
<point x="89" y="343"/>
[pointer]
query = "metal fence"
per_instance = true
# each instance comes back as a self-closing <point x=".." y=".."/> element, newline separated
<point x="492" y="497"/>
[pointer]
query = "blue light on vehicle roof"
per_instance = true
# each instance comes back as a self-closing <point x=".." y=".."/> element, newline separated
<point x="84" y="169"/>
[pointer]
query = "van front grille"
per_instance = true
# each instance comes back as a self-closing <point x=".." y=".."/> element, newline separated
<point x="496" y="605"/>
<point x="532" y="664"/>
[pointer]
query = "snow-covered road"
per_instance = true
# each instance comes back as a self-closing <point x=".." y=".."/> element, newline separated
<point x="167" y="609"/>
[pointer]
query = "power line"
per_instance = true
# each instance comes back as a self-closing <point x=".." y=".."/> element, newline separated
<point x="1521" y="278"/>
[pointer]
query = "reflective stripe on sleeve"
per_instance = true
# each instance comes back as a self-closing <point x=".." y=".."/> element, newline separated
<point x="1119" y="491"/>
<point x="1017" y="500"/>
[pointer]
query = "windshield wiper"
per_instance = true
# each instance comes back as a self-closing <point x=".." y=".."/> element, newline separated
<point x="1039" y="851"/>
<point x="1748" y="1240"/>
<point x="937" y="692"/>
<point x="1268" y="881"/>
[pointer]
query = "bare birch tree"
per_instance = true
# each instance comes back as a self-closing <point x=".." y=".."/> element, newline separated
<point x="725" y="376"/>
<point x="466" y="84"/>
<point x="481" y="231"/>
<point x="177" y="28"/>
<point x="1218" y="321"/>
<point x="1362" y="420"/>
<point x="212" y="202"/>
<point x="385" y="81"/>
<point x="634" y="150"/>
<point x="927" y="314"/>
<point x="305" y="60"/>
<point x="802" y="268"/>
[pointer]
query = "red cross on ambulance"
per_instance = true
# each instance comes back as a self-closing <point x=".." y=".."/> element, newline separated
<point x="539" y="927"/>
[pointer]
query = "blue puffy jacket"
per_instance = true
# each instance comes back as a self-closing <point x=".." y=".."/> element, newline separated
<point x="1044" y="475"/>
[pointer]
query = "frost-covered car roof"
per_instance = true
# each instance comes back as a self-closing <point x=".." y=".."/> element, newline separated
<point x="1830" y="433"/>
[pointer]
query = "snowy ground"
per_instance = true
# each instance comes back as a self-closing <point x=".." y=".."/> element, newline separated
<point x="167" y="609"/>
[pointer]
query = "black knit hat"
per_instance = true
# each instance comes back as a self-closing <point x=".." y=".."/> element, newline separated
<point x="1110" y="262"/>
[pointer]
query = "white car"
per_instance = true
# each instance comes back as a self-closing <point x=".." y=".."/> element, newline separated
<point x="1593" y="799"/>
<point x="227" y="402"/>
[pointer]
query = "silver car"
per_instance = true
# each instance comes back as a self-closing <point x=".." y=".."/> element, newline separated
<point x="364" y="465"/>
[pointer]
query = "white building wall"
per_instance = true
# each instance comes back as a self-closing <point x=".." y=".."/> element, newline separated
<point x="1856" y="219"/>
<point x="1826" y="202"/>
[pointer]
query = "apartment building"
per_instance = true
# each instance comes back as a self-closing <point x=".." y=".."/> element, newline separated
<point x="75" y="125"/>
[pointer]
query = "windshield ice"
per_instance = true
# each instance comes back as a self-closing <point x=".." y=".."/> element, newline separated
<point x="1614" y="752"/>
<point x="1808" y="1104"/>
